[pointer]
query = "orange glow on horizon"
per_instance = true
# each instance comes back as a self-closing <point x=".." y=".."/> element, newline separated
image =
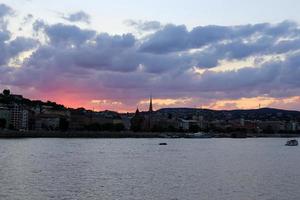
<point x="255" y="103"/>
<point x="77" y="101"/>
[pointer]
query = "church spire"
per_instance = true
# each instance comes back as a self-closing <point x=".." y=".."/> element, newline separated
<point x="151" y="106"/>
<point x="137" y="111"/>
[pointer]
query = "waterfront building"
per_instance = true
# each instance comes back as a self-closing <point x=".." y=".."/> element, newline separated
<point x="19" y="117"/>
<point x="79" y="121"/>
<point x="126" y="121"/>
<point x="186" y="124"/>
<point x="5" y="115"/>
<point x="292" y="126"/>
<point x="271" y="126"/>
<point x="51" y="111"/>
<point x="137" y="121"/>
<point x="48" y="122"/>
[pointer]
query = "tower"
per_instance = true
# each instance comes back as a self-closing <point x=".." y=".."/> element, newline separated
<point x="150" y="114"/>
<point x="150" y="105"/>
<point x="137" y="112"/>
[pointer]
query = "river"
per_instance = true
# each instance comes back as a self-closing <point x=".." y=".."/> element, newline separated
<point x="129" y="169"/>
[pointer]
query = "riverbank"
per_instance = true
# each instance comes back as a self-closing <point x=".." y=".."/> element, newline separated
<point x="127" y="134"/>
<point x="76" y="134"/>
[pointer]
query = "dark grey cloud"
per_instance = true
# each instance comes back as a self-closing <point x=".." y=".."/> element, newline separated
<point x="38" y="25"/>
<point x="66" y="34"/>
<point x="174" y="38"/>
<point x="171" y="39"/>
<point x="78" y="59"/>
<point x="237" y="49"/>
<point x="5" y="10"/>
<point x="12" y="47"/>
<point x="144" y="25"/>
<point x="79" y="16"/>
<point x="71" y="46"/>
<point x="27" y="19"/>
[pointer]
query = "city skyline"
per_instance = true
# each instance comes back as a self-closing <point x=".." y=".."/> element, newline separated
<point x="88" y="56"/>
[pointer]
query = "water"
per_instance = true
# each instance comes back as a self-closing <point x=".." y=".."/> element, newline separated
<point x="217" y="169"/>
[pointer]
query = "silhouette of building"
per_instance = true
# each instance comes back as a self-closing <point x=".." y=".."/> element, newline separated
<point x="137" y="121"/>
<point x="150" y="115"/>
<point x="5" y="115"/>
<point x="150" y="105"/>
<point x="19" y="117"/>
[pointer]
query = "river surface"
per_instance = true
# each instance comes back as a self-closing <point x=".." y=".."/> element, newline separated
<point x="192" y="169"/>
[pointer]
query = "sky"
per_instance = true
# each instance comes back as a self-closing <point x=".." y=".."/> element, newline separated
<point x="112" y="55"/>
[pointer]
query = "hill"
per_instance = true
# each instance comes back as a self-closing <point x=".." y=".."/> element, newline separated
<point x="250" y="114"/>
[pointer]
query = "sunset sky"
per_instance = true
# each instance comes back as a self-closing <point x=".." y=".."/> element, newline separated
<point x="219" y="54"/>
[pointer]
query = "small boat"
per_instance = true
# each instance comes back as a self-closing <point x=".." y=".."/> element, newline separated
<point x="163" y="143"/>
<point x="292" y="143"/>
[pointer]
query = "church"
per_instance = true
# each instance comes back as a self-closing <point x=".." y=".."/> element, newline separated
<point x="143" y="121"/>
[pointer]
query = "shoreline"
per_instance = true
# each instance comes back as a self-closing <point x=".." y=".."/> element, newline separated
<point x="130" y="134"/>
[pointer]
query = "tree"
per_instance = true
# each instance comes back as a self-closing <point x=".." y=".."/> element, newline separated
<point x="6" y="92"/>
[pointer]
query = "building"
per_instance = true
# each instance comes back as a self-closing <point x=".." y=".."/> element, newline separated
<point x="5" y="116"/>
<point x="25" y="119"/>
<point x="149" y="117"/>
<point x="186" y="125"/>
<point x="143" y="121"/>
<point x="292" y="126"/>
<point x="19" y="117"/>
<point x="271" y="126"/>
<point x="137" y="121"/>
<point x="48" y="122"/>
<point x="79" y="119"/>
<point x="126" y="121"/>
<point x="49" y="110"/>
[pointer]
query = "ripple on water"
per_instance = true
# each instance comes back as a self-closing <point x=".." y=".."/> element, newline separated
<point x="49" y="169"/>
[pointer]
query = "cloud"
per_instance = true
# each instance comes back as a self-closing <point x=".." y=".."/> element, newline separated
<point x="79" y="16"/>
<point x="10" y="48"/>
<point x="27" y="19"/>
<point x="5" y="10"/>
<point x="65" y="34"/>
<point x="144" y="25"/>
<point x="76" y="62"/>
<point x="174" y="38"/>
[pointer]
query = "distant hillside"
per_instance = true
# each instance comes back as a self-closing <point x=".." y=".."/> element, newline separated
<point x="251" y="114"/>
<point x="187" y="113"/>
<point x="19" y="99"/>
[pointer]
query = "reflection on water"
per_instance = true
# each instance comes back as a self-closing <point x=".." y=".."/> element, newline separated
<point x="42" y="169"/>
